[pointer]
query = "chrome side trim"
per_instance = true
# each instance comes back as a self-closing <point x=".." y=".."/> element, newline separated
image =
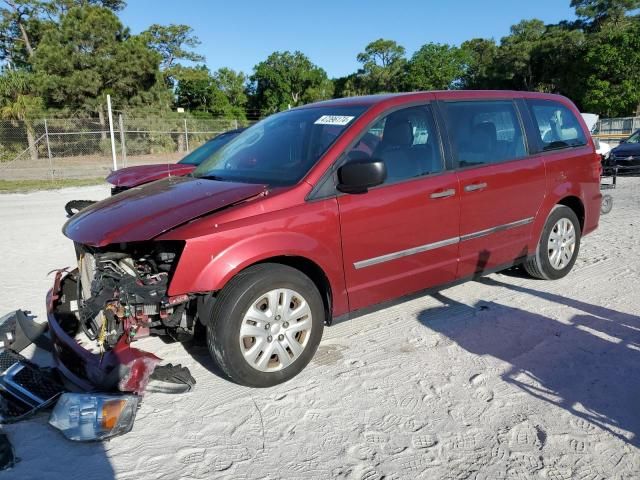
<point x="405" y="253"/>
<point x="442" y="243"/>
<point x="499" y="228"/>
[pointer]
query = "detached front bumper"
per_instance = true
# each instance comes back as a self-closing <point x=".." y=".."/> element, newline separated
<point x="122" y="368"/>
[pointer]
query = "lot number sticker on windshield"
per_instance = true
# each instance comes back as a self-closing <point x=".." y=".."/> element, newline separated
<point x="333" y="120"/>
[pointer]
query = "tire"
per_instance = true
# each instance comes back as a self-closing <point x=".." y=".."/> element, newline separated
<point x="553" y="264"/>
<point x="287" y="335"/>
<point x="607" y="204"/>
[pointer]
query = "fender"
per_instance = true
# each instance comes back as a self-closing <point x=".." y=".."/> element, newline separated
<point x="573" y="177"/>
<point x="207" y="263"/>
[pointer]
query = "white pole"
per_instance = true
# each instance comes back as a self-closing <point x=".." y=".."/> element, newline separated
<point x="186" y="135"/>
<point x="123" y="148"/>
<point x="113" y="138"/>
<point x="46" y="137"/>
<point x="46" y="133"/>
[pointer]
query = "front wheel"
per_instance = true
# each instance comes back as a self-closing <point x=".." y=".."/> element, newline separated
<point x="265" y="325"/>
<point x="558" y="246"/>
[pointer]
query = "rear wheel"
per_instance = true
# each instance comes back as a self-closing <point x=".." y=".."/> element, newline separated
<point x="265" y="325"/>
<point x="558" y="246"/>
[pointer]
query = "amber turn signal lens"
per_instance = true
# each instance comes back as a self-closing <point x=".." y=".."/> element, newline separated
<point x="111" y="411"/>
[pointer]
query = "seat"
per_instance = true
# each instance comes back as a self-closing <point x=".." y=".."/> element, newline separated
<point x="395" y="149"/>
<point x="482" y="144"/>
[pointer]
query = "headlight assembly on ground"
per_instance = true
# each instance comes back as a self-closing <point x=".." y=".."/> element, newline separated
<point x="84" y="417"/>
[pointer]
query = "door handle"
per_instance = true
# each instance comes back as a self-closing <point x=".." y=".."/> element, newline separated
<point x="443" y="193"/>
<point x="475" y="186"/>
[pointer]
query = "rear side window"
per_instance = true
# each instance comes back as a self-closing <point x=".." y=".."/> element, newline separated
<point x="558" y="127"/>
<point x="484" y="132"/>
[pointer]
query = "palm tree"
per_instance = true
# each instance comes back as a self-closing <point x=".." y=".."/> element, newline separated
<point x="19" y="104"/>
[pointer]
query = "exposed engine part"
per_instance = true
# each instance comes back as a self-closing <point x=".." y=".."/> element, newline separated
<point x="123" y="292"/>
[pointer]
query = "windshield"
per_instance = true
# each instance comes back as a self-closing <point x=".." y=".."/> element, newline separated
<point x="635" y="138"/>
<point x="280" y="149"/>
<point x="204" y="151"/>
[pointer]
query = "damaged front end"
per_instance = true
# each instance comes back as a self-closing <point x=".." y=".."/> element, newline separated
<point x="122" y="292"/>
<point x="117" y="295"/>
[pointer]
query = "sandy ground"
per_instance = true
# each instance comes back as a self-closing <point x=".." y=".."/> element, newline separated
<point x="506" y="377"/>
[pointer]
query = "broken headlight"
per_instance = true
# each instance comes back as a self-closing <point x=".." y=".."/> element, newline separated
<point x="87" y="416"/>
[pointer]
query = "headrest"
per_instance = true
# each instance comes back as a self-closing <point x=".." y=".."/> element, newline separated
<point x="484" y="136"/>
<point x="398" y="133"/>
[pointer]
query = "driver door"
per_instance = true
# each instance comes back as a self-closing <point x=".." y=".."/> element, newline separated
<point x="401" y="237"/>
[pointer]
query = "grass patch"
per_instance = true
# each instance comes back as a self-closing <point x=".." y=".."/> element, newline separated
<point x="14" y="186"/>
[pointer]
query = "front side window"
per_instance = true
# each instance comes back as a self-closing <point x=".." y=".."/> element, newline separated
<point x="280" y="149"/>
<point x="558" y="127"/>
<point x="406" y="141"/>
<point x="484" y="132"/>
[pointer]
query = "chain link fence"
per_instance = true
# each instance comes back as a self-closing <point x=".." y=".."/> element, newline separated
<point x="64" y="148"/>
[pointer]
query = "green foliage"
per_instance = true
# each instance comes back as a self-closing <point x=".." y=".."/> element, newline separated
<point x="17" y="98"/>
<point x="383" y="66"/>
<point x="173" y="42"/>
<point x="68" y="54"/>
<point x="89" y="55"/>
<point x="481" y="56"/>
<point x="436" y="67"/>
<point x="287" y="80"/>
<point x="612" y="63"/>
<point x="601" y="10"/>
<point x="350" y="86"/>
<point x="514" y="55"/>
<point x="220" y="94"/>
<point x="228" y="94"/>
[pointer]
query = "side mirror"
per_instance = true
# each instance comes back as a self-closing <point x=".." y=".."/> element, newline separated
<point x="624" y="140"/>
<point x="360" y="175"/>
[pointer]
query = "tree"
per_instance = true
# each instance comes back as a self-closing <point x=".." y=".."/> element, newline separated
<point x="17" y="23"/>
<point x="557" y="61"/>
<point x="612" y="63"/>
<point x="350" y="86"/>
<point x="18" y="103"/>
<point x="193" y="88"/>
<point x="514" y="54"/>
<point x="63" y="6"/>
<point x="383" y="65"/>
<point x="598" y="11"/>
<point x="287" y="80"/>
<point x="436" y="67"/>
<point x="23" y="23"/>
<point x="89" y="55"/>
<point x="229" y="97"/>
<point x="173" y="43"/>
<point x="480" y="72"/>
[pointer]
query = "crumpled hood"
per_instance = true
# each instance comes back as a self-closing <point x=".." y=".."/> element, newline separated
<point x="140" y="174"/>
<point x="145" y="212"/>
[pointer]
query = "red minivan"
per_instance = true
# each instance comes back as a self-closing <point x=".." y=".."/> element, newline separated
<point x="321" y="212"/>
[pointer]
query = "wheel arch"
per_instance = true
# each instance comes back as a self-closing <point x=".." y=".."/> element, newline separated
<point x="575" y="204"/>
<point x="312" y="270"/>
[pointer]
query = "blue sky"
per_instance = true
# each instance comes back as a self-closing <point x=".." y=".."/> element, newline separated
<point x="239" y="34"/>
